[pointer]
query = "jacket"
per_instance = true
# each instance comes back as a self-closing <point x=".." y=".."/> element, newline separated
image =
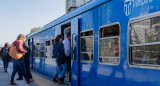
<point x="55" y="49"/>
<point x="5" y="54"/>
<point x="19" y="46"/>
<point x="27" y="57"/>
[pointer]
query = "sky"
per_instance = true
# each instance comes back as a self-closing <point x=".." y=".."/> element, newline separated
<point x="20" y="16"/>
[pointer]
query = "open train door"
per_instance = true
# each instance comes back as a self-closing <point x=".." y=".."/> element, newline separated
<point x="30" y="44"/>
<point x="75" y="79"/>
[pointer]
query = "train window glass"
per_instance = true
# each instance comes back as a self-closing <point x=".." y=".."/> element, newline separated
<point x="87" y="46"/>
<point x="141" y="32"/>
<point x="52" y="41"/>
<point x="42" y="50"/>
<point x="109" y="45"/>
<point x="87" y="33"/>
<point x="52" y="46"/>
<point x="74" y="46"/>
<point x="65" y="29"/>
<point x="34" y="50"/>
<point x="48" y="49"/>
<point x="37" y="50"/>
<point x="144" y="47"/>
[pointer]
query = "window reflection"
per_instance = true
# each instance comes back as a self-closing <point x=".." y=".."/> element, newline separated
<point x="87" y="44"/>
<point x="74" y="46"/>
<point x="145" y="54"/>
<point x="34" y="53"/>
<point x="109" y="45"/>
<point x="48" y="48"/>
<point x="146" y="32"/>
<point x="37" y="50"/>
<point x="42" y="50"/>
<point x="86" y="53"/>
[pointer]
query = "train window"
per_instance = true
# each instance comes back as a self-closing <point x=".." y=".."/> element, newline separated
<point x="87" y="46"/>
<point x="42" y="50"/>
<point x="52" y="46"/>
<point x="144" y="47"/>
<point x="109" y="45"/>
<point x="37" y="50"/>
<point x="48" y="49"/>
<point x="34" y="52"/>
<point x="52" y="41"/>
<point x="74" y="46"/>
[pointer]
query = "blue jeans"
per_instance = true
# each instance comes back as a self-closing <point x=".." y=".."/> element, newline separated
<point x="62" y="69"/>
<point x="5" y="64"/>
<point x="19" y="63"/>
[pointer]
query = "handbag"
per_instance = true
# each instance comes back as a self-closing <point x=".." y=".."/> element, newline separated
<point x="14" y="53"/>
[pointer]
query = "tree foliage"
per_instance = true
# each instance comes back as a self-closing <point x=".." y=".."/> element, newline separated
<point x="34" y="29"/>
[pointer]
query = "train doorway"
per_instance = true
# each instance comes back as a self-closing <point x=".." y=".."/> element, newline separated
<point x="65" y="29"/>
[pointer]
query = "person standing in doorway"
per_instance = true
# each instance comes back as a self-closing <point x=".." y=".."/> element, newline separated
<point x="5" y="56"/>
<point x="67" y="49"/>
<point x="60" y="58"/>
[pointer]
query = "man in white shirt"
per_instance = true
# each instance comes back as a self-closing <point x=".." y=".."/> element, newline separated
<point x="67" y="45"/>
<point x="67" y="50"/>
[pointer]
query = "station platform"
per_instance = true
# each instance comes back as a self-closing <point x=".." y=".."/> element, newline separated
<point x="39" y="79"/>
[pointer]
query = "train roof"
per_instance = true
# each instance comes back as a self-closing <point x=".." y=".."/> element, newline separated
<point x="88" y="6"/>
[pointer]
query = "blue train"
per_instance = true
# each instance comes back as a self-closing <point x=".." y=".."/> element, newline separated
<point x="113" y="43"/>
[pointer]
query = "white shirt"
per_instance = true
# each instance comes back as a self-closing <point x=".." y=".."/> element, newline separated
<point x="67" y="47"/>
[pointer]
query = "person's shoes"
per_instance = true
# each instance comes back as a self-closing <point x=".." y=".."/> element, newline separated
<point x="60" y="80"/>
<point x="30" y="81"/>
<point x="5" y="70"/>
<point x="19" y="79"/>
<point x="12" y="83"/>
<point x="54" y="79"/>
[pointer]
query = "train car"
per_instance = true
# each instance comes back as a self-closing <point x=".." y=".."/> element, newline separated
<point x="113" y="43"/>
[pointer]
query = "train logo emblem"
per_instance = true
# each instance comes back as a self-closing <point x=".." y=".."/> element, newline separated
<point x="127" y="7"/>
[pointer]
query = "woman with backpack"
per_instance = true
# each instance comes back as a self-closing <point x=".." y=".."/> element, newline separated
<point x="5" y="56"/>
<point x="60" y="58"/>
<point x="16" y="52"/>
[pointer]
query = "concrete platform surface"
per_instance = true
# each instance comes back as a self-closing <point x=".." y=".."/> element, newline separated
<point x="40" y="79"/>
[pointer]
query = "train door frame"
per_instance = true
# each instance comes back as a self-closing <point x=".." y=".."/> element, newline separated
<point x="75" y="52"/>
<point x="29" y="42"/>
<point x="65" y="28"/>
<point x="79" y="27"/>
<point x="32" y="52"/>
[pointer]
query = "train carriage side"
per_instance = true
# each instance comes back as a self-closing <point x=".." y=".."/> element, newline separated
<point x="109" y="29"/>
<point x="103" y="46"/>
<point x="41" y="54"/>
<point x="143" y="44"/>
<point x="114" y="44"/>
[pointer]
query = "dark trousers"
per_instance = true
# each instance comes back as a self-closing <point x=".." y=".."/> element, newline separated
<point x="69" y="66"/>
<point x="20" y="73"/>
<point x="19" y="63"/>
<point x="5" y="64"/>
<point x="27" y="67"/>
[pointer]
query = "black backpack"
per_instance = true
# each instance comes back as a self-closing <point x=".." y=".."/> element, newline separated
<point x="61" y="58"/>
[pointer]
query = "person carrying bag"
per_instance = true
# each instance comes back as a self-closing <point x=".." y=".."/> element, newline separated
<point x="16" y="52"/>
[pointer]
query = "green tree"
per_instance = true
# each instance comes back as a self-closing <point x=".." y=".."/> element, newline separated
<point x="34" y="29"/>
